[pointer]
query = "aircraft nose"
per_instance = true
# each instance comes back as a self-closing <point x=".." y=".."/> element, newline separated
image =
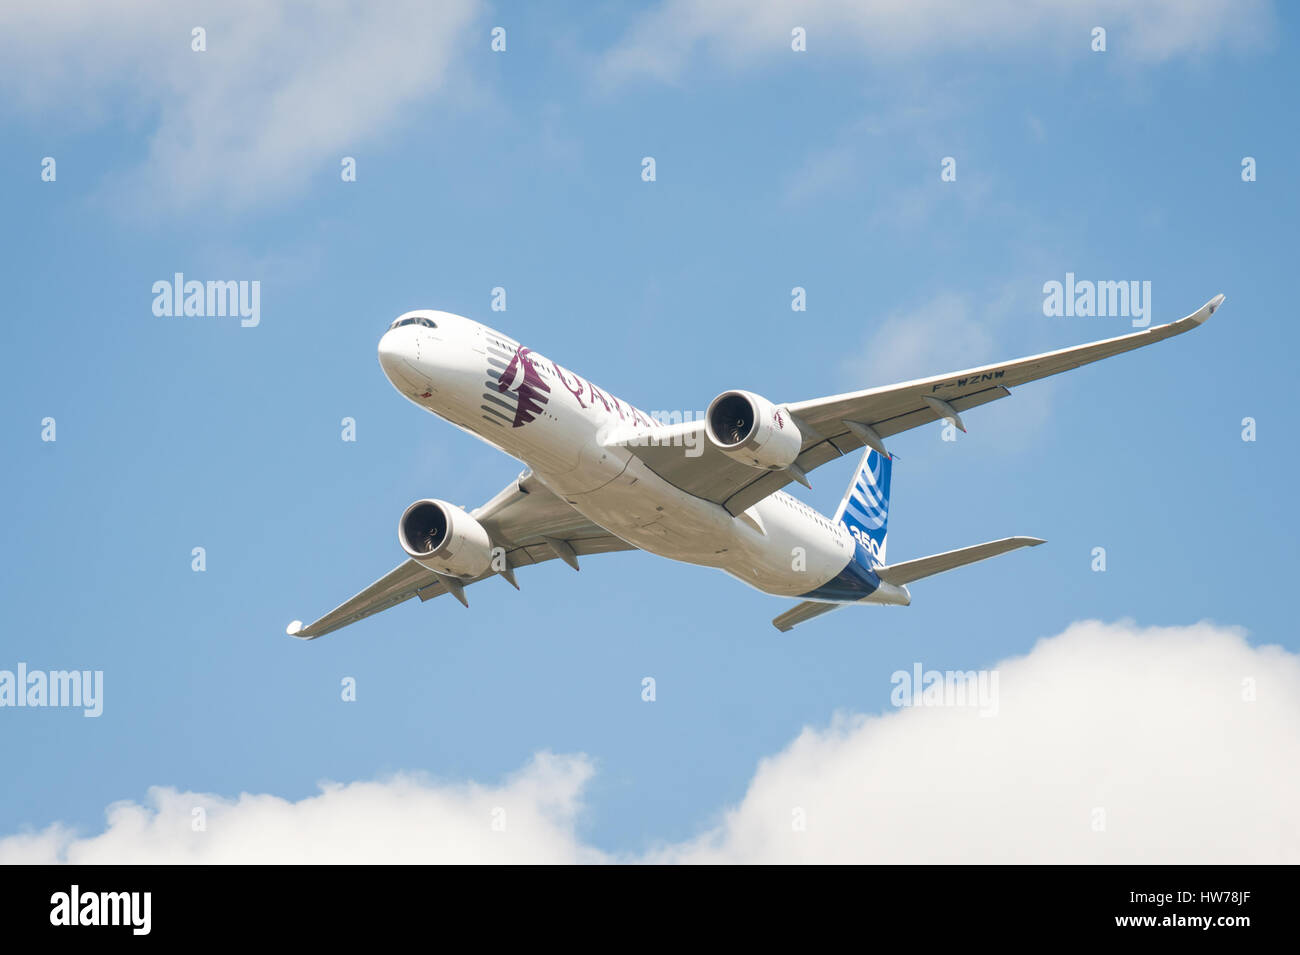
<point x="390" y="350"/>
<point x="397" y="356"/>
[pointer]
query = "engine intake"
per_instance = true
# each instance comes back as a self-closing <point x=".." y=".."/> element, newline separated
<point x="444" y="538"/>
<point x="748" y="428"/>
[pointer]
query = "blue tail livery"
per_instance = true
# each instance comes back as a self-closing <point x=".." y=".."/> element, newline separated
<point x="864" y="512"/>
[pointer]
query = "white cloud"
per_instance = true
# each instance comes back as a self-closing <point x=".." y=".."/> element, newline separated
<point x="408" y="818"/>
<point x="663" y="41"/>
<point x="1149" y="725"/>
<point x="281" y="93"/>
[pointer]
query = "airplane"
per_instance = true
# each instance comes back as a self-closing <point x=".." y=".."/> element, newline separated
<point x="602" y="476"/>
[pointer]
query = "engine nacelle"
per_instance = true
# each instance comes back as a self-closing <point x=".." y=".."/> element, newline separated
<point x="444" y="538"/>
<point x="748" y="428"/>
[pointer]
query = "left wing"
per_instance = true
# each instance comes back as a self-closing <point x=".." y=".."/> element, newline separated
<point x="530" y="522"/>
<point x="683" y="455"/>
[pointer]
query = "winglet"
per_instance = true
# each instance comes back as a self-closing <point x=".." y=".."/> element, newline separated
<point x="1206" y="310"/>
<point x="295" y="628"/>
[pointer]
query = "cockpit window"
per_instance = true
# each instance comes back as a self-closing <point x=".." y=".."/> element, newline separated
<point x="414" y="320"/>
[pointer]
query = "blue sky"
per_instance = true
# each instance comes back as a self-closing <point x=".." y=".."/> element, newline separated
<point x="521" y="169"/>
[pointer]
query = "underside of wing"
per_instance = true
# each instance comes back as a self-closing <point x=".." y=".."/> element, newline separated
<point x="529" y="522"/>
<point x="683" y="455"/>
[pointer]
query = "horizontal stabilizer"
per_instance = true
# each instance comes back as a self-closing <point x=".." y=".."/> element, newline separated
<point x="910" y="570"/>
<point x="801" y="612"/>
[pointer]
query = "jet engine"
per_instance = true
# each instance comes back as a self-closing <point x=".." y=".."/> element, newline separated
<point x="444" y="538"/>
<point x="748" y="428"/>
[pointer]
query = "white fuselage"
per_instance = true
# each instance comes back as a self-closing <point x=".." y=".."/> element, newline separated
<point x="556" y="422"/>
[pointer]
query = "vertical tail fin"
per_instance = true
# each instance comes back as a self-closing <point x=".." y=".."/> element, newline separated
<point x="864" y="512"/>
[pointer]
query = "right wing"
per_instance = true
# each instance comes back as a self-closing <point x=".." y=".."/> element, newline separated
<point x="530" y="522"/>
<point x="835" y="425"/>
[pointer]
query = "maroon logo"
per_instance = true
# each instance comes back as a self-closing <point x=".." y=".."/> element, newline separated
<point x="531" y="392"/>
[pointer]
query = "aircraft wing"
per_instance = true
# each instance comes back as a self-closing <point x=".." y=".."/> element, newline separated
<point x="683" y="455"/>
<point x="530" y="522"/>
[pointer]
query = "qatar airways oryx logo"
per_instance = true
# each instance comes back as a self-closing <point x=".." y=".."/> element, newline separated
<point x="519" y="392"/>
